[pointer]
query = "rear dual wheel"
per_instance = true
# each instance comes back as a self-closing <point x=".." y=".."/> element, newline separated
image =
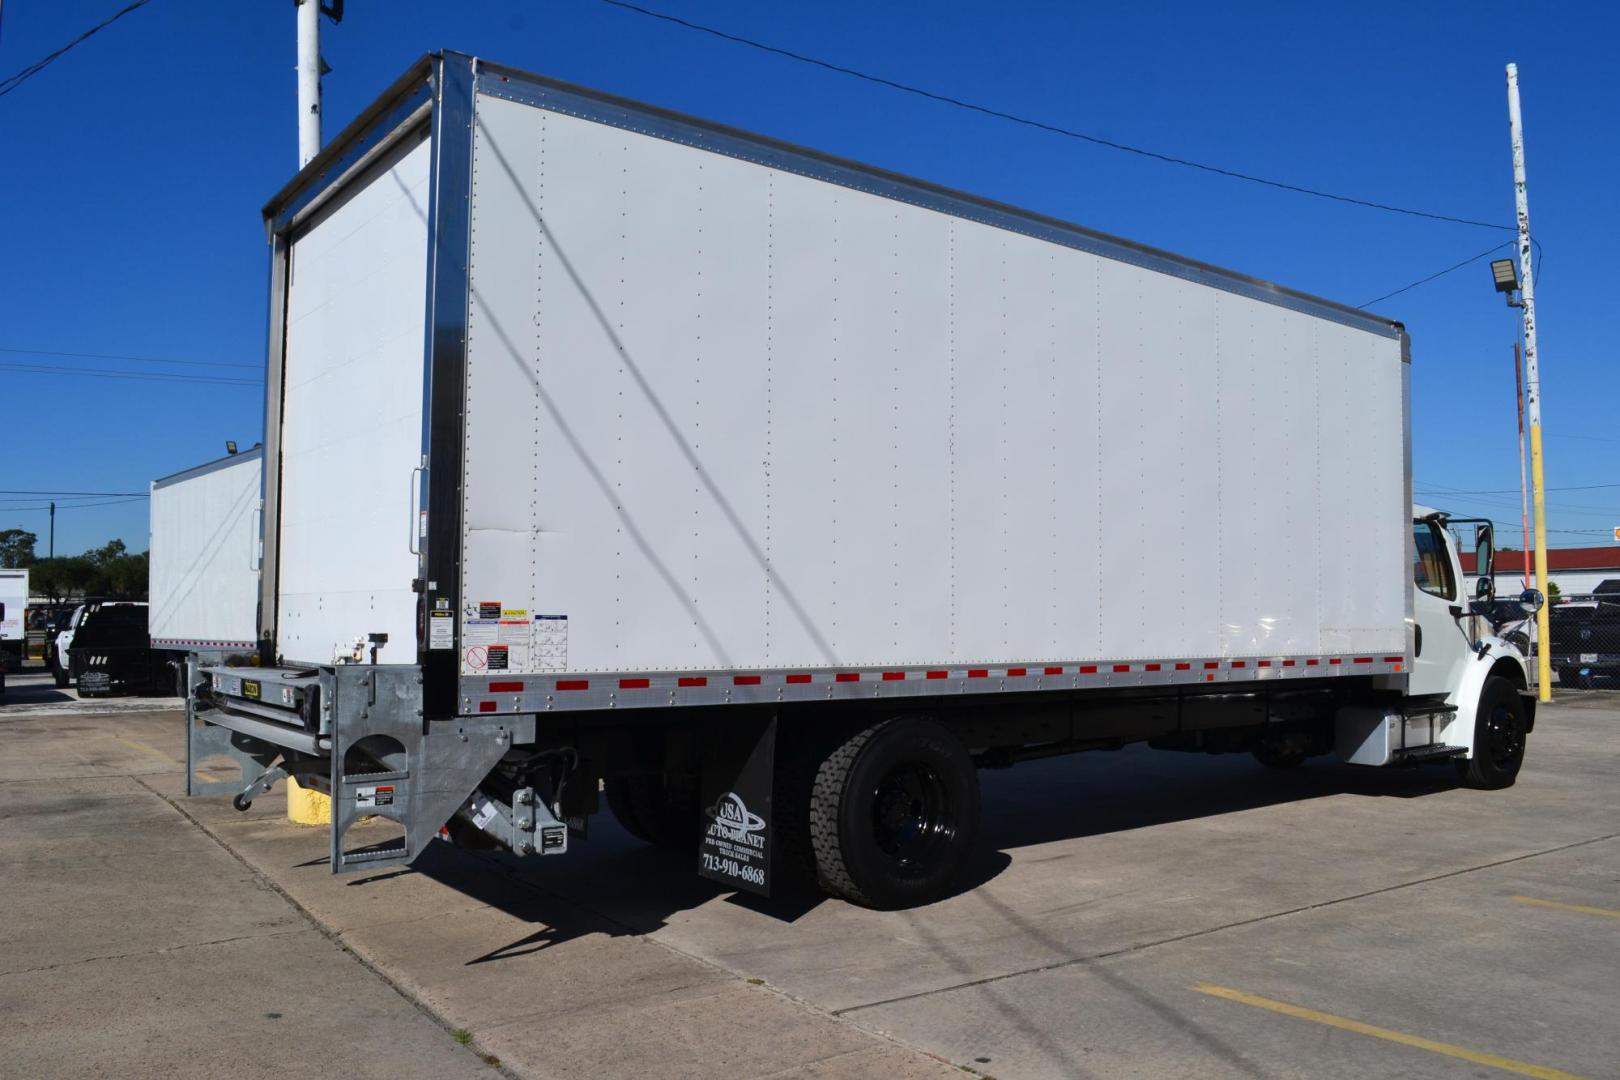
<point x="894" y="813"/>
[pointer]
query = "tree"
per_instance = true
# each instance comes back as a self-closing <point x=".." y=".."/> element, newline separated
<point x="107" y="553"/>
<point x="61" y="577"/>
<point x="1554" y="593"/>
<point x="17" y="548"/>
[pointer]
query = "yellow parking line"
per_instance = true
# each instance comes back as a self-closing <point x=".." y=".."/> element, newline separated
<point x="1608" y="913"/>
<point x="1345" y="1024"/>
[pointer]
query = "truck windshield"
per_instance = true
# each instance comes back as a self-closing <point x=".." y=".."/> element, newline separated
<point x="1431" y="569"/>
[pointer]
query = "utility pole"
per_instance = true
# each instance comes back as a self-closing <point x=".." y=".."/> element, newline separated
<point x="1524" y="496"/>
<point x="309" y="80"/>
<point x="1532" y="379"/>
<point x="52" y="548"/>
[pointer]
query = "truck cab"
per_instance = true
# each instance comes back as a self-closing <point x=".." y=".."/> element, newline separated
<point x="1481" y="681"/>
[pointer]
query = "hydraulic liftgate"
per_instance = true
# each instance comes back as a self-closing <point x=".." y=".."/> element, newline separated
<point x="357" y="733"/>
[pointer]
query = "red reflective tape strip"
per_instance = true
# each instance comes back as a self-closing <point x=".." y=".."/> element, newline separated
<point x="1363" y="659"/>
<point x="486" y="706"/>
<point x="1264" y="663"/>
<point x="847" y="676"/>
<point x="1122" y="667"/>
<point x="745" y="680"/>
<point x="1288" y="663"/>
<point x="1017" y="672"/>
<point x="506" y="688"/>
<point x="692" y="680"/>
<point x="573" y="684"/>
<point x="978" y="673"/>
<point x="1240" y="663"/>
<point x="800" y="678"/>
<point x="1393" y="659"/>
<point x="1183" y="667"/>
<point x="634" y="684"/>
<point x="1335" y="660"/>
<point x="1088" y="669"/>
<point x="1211" y="665"/>
<point x="1312" y="662"/>
<point x="893" y="676"/>
<point x="1150" y="667"/>
<point x="938" y="674"/>
<point x="1054" y="671"/>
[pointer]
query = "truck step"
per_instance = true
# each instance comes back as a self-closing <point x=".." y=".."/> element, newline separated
<point x="1432" y="752"/>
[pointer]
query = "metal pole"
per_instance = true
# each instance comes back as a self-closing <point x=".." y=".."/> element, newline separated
<point x="1532" y="379"/>
<point x="309" y="80"/>
<point x="1524" y="496"/>
<point x="52" y="548"/>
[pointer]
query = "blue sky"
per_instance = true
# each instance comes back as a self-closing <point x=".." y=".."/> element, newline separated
<point x="134" y="169"/>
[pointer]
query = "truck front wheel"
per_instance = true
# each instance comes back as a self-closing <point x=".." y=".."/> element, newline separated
<point x="1499" y="737"/>
<point x="894" y="814"/>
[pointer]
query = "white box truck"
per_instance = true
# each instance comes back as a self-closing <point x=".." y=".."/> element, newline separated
<point x="204" y="575"/>
<point x="13" y="621"/>
<point x="772" y="495"/>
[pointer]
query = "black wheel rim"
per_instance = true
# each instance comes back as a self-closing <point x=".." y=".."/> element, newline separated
<point x="1504" y="736"/>
<point x="911" y="817"/>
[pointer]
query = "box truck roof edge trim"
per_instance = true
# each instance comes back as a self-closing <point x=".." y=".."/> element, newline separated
<point x="396" y="110"/>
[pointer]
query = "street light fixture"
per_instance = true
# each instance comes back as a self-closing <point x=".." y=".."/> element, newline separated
<point x="1507" y="279"/>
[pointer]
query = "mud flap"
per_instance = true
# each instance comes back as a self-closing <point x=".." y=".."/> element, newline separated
<point x="738" y="764"/>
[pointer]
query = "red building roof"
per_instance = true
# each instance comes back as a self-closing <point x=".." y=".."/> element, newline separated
<point x="1581" y="558"/>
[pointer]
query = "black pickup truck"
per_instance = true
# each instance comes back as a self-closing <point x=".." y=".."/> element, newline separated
<point x="111" y="648"/>
<point x="1586" y="636"/>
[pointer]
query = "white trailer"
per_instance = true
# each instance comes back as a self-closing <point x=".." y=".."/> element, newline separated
<point x="779" y="492"/>
<point x="14" y="595"/>
<point x="204" y="573"/>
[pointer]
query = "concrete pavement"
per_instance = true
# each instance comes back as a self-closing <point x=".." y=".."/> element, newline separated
<point x="1130" y="914"/>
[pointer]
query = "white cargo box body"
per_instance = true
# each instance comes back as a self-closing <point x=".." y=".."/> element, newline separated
<point x="740" y="422"/>
<point x="204" y="555"/>
<point x="14" y="595"/>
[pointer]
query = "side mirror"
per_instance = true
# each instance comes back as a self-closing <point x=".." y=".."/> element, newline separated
<point x="1530" y="601"/>
<point x="1485" y="589"/>
<point x="1484" y="551"/>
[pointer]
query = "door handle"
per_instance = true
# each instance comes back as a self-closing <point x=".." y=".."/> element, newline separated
<point x="256" y="541"/>
<point x="416" y="510"/>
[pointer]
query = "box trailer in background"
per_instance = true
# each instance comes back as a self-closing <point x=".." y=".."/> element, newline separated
<point x="772" y="494"/>
<point x="204" y="577"/>
<point x="14" y="595"/>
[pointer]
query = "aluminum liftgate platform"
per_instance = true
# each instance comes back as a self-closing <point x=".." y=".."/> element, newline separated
<point x="357" y="732"/>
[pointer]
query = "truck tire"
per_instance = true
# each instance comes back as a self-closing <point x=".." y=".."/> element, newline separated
<point x="59" y="677"/>
<point x="894" y="814"/>
<point x="655" y="811"/>
<point x="1499" y="737"/>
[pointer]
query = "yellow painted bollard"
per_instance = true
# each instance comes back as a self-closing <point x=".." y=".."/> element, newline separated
<point x="306" y="806"/>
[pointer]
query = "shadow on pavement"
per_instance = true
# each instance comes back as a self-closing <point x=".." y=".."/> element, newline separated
<point x="612" y="884"/>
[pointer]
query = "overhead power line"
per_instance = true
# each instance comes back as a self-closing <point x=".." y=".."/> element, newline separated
<point x="1511" y="491"/>
<point x="147" y="376"/>
<point x="11" y="83"/>
<point x="84" y="494"/>
<point x="73" y="506"/>
<point x="121" y="356"/>
<point x="1042" y="125"/>
<point x="1440" y="274"/>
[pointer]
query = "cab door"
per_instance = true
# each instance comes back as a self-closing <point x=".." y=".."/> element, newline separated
<point x="1442" y="644"/>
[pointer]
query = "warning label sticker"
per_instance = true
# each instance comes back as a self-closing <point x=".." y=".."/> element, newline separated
<point x="376" y="795"/>
<point x="489" y="609"/>
<point x="480" y="631"/>
<point x="550" y="637"/>
<point x="499" y="658"/>
<point x="441" y="630"/>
